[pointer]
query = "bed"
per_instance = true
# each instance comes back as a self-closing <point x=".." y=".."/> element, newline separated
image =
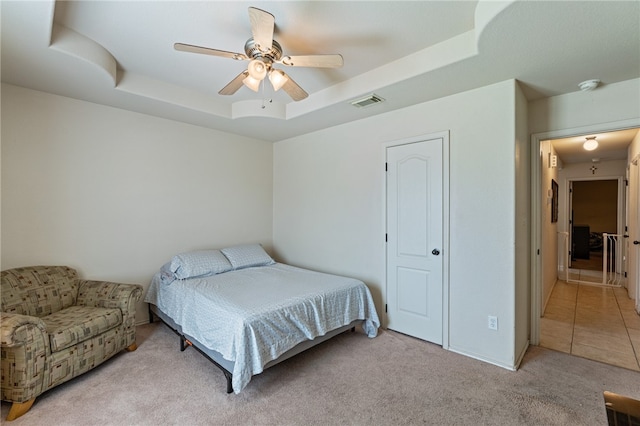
<point x="246" y="312"/>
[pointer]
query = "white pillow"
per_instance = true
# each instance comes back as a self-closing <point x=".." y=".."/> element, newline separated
<point x="246" y="256"/>
<point x="198" y="263"/>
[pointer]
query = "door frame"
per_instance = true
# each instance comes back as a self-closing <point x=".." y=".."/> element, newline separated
<point x="634" y="163"/>
<point x="621" y="202"/>
<point x="537" y="250"/>
<point x="444" y="135"/>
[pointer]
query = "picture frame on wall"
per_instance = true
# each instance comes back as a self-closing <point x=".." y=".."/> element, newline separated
<point x="554" y="201"/>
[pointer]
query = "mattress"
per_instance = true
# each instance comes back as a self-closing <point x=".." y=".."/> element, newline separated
<point x="254" y="315"/>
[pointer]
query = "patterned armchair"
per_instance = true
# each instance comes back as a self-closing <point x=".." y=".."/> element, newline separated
<point x="55" y="326"/>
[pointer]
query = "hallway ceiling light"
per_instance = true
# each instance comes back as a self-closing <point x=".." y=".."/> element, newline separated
<point x="590" y="144"/>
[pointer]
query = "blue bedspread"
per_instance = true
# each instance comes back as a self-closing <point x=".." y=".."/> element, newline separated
<point x="252" y="316"/>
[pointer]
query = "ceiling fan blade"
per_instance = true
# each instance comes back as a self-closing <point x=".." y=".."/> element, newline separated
<point x="296" y="92"/>
<point x="317" y="61"/>
<point x="262" y="24"/>
<point x="208" y="51"/>
<point x="234" y="84"/>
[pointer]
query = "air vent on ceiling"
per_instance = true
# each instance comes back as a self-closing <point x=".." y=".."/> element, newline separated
<point x="367" y="101"/>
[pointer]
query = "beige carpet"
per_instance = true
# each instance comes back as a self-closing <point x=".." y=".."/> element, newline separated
<point x="350" y="380"/>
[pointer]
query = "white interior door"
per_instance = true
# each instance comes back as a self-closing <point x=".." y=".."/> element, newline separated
<point x="414" y="239"/>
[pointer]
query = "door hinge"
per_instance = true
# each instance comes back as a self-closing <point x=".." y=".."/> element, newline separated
<point x="386" y="167"/>
<point x="386" y="238"/>
<point x="538" y="252"/>
<point x="385" y="308"/>
<point x="626" y="182"/>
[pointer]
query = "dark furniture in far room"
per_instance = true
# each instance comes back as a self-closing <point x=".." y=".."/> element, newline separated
<point x="581" y="236"/>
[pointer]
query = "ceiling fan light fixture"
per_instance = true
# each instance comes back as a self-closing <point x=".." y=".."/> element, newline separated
<point x="590" y="144"/>
<point x="278" y="79"/>
<point x="252" y="83"/>
<point x="257" y="69"/>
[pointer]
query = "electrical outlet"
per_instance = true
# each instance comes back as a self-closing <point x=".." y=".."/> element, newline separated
<point x="493" y="323"/>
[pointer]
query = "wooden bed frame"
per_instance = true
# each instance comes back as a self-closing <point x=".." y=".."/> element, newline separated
<point x="227" y="366"/>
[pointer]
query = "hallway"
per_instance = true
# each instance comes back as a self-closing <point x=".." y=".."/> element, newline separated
<point x="592" y="322"/>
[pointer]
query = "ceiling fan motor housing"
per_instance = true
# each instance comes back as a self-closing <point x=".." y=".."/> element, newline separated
<point x="270" y="56"/>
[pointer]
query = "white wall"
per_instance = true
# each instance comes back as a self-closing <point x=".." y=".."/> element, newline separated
<point x="115" y="193"/>
<point x="608" y="104"/>
<point x="550" y="239"/>
<point x="329" y="207"/>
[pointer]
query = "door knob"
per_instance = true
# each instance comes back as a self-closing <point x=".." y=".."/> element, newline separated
<point x="636" y="242"/>
<point x="435" y="252"/>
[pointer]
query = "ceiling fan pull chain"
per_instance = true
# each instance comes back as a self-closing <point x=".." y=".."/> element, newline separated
<point x="263" y="95"/>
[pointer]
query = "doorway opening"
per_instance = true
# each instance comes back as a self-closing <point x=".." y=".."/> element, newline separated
<point x="547" y="263"/>
<point x="592" y="249"/>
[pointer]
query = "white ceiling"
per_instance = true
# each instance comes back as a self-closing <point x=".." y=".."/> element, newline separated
<point x="121" y="54"/>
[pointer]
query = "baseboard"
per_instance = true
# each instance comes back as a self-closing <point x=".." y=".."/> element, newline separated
<point x="484" y="359"/>
<point x="522" y="354"/>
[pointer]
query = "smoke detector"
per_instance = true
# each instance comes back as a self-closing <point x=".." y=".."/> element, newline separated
<point x="589" y="85"/>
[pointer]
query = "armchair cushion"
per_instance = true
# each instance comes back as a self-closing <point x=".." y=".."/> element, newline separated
<point x="76" y="324"/>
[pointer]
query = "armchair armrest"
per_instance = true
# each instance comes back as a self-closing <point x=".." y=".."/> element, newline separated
<point x="25" y="349"/>
<point x="17" y="329"/>
<point x="104" y="294"/>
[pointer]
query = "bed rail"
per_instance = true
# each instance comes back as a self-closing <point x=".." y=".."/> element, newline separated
<point x="185" y="343"/>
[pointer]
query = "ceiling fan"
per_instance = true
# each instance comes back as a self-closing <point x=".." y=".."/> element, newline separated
<point x="263" y="52"/>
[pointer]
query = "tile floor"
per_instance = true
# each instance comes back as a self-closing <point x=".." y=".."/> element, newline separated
<point x="592" y="322"/>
